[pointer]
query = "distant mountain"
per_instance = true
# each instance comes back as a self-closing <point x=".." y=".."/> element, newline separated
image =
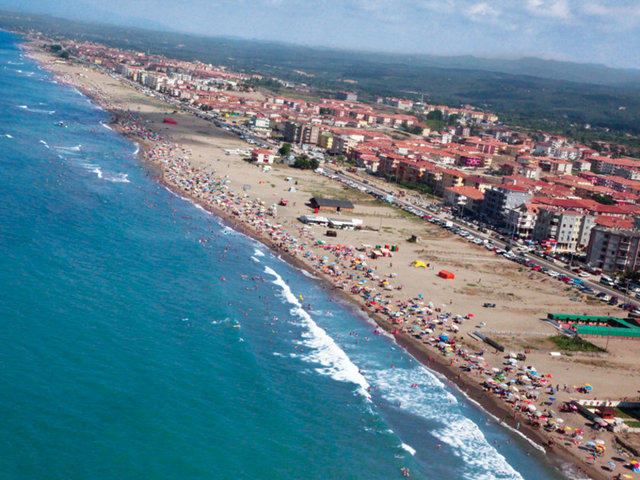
<point x="537" y="67"/>
<point x="543" y="94"/>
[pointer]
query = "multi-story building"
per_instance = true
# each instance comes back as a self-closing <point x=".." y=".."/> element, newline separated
<point x="468" y="199"/>
<point x="261" y="123"/>
<point x="569" y="228"/>
<point x="301" y="133"/>
<point x="325" y="140"/>
<point x="348" y="96"/>
<point x="521" y="221"/>
<point x="614" y="249"/>
<point x="500" y="199"/>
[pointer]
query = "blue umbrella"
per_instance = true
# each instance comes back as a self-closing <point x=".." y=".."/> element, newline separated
<point x="551" y="399"/>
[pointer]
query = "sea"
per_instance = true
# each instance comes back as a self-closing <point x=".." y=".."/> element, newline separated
<point x="143" y="338"/>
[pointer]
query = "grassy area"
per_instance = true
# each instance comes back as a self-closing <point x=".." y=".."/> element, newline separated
<point x="574" y="344"/>
<point x="623" y="412"/>
<point x="633" y="424"/>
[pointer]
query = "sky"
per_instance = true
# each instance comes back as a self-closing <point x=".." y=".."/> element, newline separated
<point x="604" y="31"/>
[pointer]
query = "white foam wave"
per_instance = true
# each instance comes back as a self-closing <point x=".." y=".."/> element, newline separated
<point x="95" y="169"/>
<point x="137" y="146"/>
<point x="324" y="350"/>
<point x="108" y="177"/>
<point x="44" y="143"/>
<point x="408" y="448"/>
<point x="36" y="110"/>
<point x="258" y="253"/>
<point x="508" y="427"/>
<point x="75" y="148"/>
<point x="109" y="128"/>
<point x="117" y="178"/>
<point x="308" y="274"/>
<point x="7" y="135"/>
<point x="421" y="393"/>
<point x="255" y="259"/>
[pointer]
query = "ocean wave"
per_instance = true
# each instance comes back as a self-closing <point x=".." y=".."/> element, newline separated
<point x="44" y="143"/>
<point x="408" y="448"/>
<point x="255" y="259"/>
<point x="258" y="253"/>
<point x="93" y="168"/>
<point x="109" y="128"/>
<point x="7" y="135"/>
<point x="117" y="178"/>
<point x="108" y="176"/>
<point x="419" y="392"/>
<point x="75" y="148"/>
<point x="324" y="351"/>
<point x="36" y="110"/>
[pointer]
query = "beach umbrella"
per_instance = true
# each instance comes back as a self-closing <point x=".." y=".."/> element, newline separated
<point x="588" y="387"/>
<point x="551" y="399"/>
<point x="611" y="464"/>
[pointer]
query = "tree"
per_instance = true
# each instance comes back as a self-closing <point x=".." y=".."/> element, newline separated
<point x="415" y="129"/>
<point x="303" y="162"/>
<point x="285" y="149"/>
<point x="603" y="199"/>
<point x="435" y="115"/>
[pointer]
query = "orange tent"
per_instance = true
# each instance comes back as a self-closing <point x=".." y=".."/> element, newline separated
<point x="446" y="275"/>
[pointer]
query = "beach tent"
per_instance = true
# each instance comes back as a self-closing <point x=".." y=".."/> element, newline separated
<point x="170" y="121"/>
<point x="446" y="275"/>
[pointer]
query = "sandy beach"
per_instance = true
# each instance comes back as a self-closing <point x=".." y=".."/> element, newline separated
<point x="192" y="158"/>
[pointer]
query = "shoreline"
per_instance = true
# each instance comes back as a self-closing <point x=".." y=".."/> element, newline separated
<point x="426" y="355"/>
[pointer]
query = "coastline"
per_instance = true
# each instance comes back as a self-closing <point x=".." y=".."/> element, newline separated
<point x="428" y="356"/>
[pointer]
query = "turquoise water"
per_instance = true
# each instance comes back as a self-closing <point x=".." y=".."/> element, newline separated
<point x="123" y="354"/>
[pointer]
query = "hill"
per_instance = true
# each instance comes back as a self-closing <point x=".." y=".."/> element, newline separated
<point x="528" y="91"/>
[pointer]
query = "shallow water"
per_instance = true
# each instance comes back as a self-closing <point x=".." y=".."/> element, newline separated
<point x="125" y="355"/>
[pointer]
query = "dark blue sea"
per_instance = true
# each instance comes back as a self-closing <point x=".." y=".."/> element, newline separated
<point x="123" y="355"/>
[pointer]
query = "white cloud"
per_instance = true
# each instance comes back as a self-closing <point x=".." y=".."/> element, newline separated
<point x="483" y="9"/>
<point x="558" y="9"/>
